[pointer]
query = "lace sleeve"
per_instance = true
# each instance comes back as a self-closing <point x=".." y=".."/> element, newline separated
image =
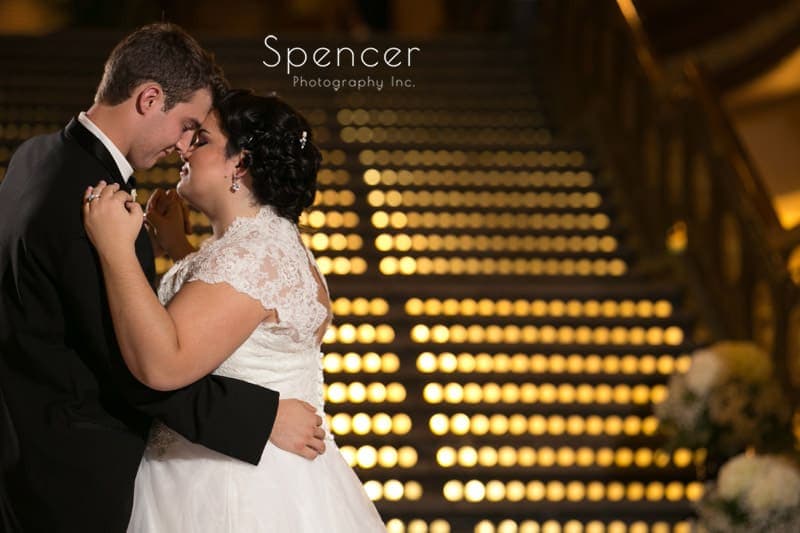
<point x="250" y="266"/>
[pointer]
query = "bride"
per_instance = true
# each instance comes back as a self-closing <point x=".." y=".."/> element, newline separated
<point x="251" y="304"/>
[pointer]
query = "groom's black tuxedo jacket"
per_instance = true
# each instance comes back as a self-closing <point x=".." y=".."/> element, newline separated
<point x="75" y="421"/>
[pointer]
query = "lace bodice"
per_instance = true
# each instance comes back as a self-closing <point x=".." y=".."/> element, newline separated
<point x="264" y="257"/>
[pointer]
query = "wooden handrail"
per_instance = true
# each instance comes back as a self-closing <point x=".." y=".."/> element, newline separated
<point x="724" y="135"/>
<point x="644" y="51"/>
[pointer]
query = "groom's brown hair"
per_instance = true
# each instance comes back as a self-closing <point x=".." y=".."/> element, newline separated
<point x="163" y="53"/>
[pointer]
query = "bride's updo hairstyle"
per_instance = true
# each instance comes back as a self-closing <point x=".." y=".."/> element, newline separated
<point x="279" y="151"/>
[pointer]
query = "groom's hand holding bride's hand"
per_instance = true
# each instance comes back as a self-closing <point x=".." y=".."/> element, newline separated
<point x="298" y="429"/>
<point x="112" y="219"/>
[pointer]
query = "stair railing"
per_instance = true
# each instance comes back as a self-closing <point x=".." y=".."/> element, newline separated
<point x="685" y="176"/>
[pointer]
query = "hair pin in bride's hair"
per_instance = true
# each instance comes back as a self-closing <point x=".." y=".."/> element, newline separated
<point x="303" y="139"/>
<point x="256" y="138"/>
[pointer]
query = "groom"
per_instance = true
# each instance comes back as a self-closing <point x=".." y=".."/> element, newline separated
<point x="73" y="420"/>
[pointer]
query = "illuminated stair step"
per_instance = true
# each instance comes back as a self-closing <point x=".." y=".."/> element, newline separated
<point x="445" y="525"/>
<point x="428" y="137"/>
<point x="386" y="116"/>
<point x="561" y="159"/>
<point x="479" y="178"/>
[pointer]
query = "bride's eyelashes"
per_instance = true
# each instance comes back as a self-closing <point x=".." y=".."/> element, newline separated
<point x="198" y="140"/>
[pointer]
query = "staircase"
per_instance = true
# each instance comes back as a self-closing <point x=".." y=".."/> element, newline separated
<point x="497" y="348"/>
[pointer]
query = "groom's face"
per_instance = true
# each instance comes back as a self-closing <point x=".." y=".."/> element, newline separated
<point x="164" y="132"/>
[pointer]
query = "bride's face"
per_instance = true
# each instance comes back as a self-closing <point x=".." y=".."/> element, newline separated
<point x="206" y="172"/>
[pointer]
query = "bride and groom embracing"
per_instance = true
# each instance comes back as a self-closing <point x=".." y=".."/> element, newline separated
<point x="120" y="408"/>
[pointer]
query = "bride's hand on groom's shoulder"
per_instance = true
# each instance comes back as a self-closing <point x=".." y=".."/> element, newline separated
<point x="167" y="220"/>
<point x="111" y="217"/>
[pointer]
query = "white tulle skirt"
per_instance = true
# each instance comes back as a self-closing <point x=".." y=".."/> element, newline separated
<point x="186" y="488"/>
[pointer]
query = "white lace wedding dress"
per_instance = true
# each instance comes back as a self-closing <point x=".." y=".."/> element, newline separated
<point x="182" y="487"/>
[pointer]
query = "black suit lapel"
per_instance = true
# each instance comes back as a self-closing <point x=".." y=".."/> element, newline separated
<point x="144" y="251"/>
<point x="92" y="144"/>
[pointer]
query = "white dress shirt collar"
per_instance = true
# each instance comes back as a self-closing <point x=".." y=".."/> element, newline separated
<point x="125" y="168"/>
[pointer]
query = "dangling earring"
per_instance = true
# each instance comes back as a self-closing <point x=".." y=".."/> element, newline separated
<point x="235" y="178"/>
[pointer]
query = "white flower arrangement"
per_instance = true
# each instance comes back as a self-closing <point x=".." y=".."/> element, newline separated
<point x="753" y="494"/>
<point x="726" y="402"/>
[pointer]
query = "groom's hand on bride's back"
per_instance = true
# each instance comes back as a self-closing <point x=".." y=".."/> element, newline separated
<point x="298" y="429"/>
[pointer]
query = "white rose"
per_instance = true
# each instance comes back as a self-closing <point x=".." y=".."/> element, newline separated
<point x="707" y="370"/>
<point x="777" y="486"/>
<point x="736" y="476"/>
